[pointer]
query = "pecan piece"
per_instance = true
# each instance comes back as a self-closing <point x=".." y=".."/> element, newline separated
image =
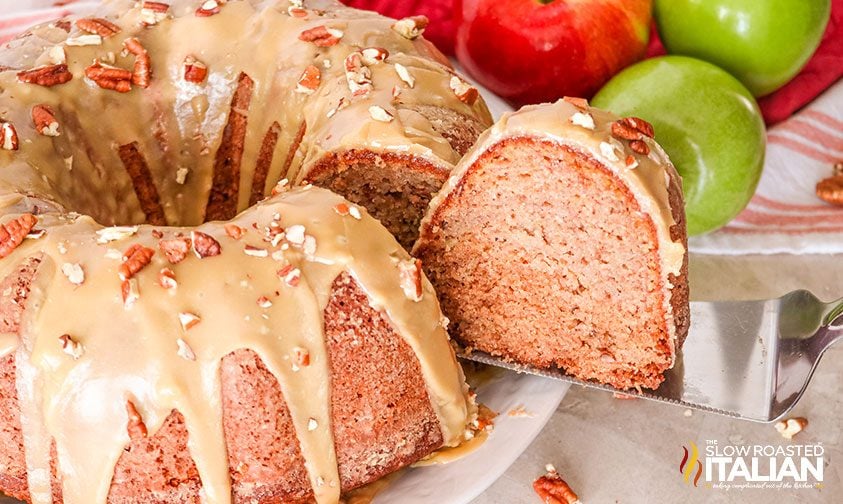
<point x="580" y="103"/>
<point x="830" y="189"/>
<point x="47" y="76"/>
<point x="135" y="259"/>
<point x="209" y="8"/>
<point x="309" y="80"/>
<point x="142" y="73"/>
<point x="167" y="278"/>
<point x="234" y="231"/>
<point x="153" y="13"/>
<point x="639" y="146"/>
<point x="411" y="27"/>
<point x="109" y="77"/>
<point x="552" y="489"/>
<point x="374" y="55"/>
<point x="205" y="245"/>
<point x="791" y="426"/>
<point x="465" y="92"/>
<point x="8" y="136"/>
<point x="358" y="75"/>
<point x="71" y="347"/>
<point x="45" y="120"/>
<point x="98" y="26"/>
<point x="175" y="249"/>
<point x="632" y="128"/>
<point x="136" y="427"/>
<point x="194" y="70"/>
<point x="13" y="232"/>
<point x="410" y="274"/>
<point x="322" y="36"/>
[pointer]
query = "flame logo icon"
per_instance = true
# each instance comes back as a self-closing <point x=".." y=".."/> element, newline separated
<point x="689" y="460"/>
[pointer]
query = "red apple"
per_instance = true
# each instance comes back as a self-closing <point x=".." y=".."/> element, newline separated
<point x="531" y="51"/>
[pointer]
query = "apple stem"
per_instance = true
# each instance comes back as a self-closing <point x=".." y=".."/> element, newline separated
<point x="545" y="2"/>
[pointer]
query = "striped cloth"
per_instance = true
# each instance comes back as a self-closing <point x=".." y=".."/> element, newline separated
<point x="784" y="216"/>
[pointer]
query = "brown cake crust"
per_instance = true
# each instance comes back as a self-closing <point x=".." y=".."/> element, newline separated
<point x="380" y="408"/>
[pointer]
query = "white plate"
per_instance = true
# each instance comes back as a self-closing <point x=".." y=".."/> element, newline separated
<point x="461" y="481"/>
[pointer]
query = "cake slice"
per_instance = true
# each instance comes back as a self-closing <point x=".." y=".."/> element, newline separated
<point x="559" y="240"/>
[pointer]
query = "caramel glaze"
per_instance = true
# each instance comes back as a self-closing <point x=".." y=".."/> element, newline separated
<point x="162" y="352"/>
<point x="202" y="144"/>
<point x="176" y="152"/>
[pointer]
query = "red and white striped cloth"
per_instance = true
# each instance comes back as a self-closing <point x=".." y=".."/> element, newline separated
<point x="784" y="216"/>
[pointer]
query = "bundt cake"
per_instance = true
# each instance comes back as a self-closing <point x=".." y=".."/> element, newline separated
<point x="289" y="354"/>
<point x="183" y="111"/>
<point x="205" y="346"/>
<point x="559" y="240"/>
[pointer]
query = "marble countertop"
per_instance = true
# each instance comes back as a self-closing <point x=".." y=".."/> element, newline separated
<point x="628" y="451"/>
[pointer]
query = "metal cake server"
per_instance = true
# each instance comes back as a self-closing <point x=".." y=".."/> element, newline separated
<point x="746" y="359"/>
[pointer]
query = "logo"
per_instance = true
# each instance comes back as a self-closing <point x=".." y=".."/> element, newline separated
<point x="691" y="461"/>
<point x="739" y="465"/>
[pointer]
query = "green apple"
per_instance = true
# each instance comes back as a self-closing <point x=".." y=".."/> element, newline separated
<point x="706" y="121"/>
<point x="764" y="43"/>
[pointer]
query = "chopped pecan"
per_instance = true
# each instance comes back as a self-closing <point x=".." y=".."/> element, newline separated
<point x="321" y="36"/>
<point x="45" y="120"/>
<point x="380" y="114"/>
<point x="136" y="427"/>
<point x="71" y="347"/>
<point x="309" y="80"/>
<point x="175" y="249"/>
<point x="791" y="426"/>
<point x="209" y="8"/>
<point x="167" y="278"/>
<point x="465" y="92"/>
<point x="580" y="103"/>
<point x="142" y="73"/>
<point x="632" y="128"/>
<point x="830" y="189"/>
<point x="639" y="146"/>
<point x="405" y="75"/>
<point x="234" y="231"/>
<point x="290" y="274"/>
<point x="184" y="350"/>
<point x="129" y="291"/>
<point x="47" y="76"/>
<point x="205" y="245"/>
<point x="13" y="233"/>
<point x="135" y="259"/>
<point x="63" y="24"/>
<point x="552" y="489"/>
<point x="99" y="26"/>
<point x="301" y="357"/>
<point x="188" y="320"/>
<point x="8" y="136"/>
<point x="194" y="70"/>
<point x="358" y="75"/>
<point x="374" y="55"/>
<point x="153" y="13"/>
<point x="410" y="275"/>
<point x="411" y="27"/>
<point x="109" y="77"/>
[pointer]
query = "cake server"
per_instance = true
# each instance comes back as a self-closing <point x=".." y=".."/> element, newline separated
<point x="746" y="359"/>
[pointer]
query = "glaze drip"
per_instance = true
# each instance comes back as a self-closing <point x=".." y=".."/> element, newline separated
<point x="163" y="351"/>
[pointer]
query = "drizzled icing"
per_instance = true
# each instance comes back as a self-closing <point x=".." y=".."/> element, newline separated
<point x="135" y="353"/>
<point x="589" y="130"/>
<point x="178" y="125"/>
